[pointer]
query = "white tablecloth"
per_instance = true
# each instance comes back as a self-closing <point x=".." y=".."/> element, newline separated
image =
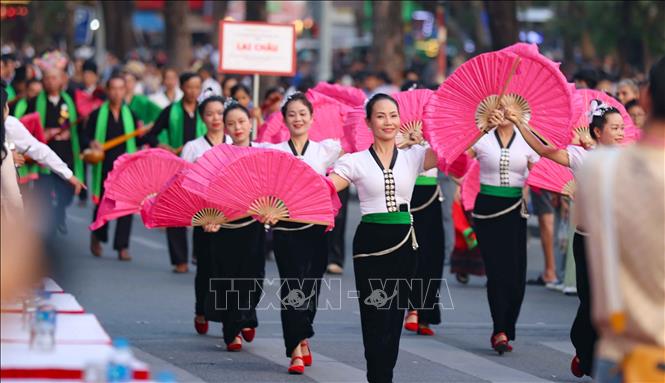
<point x="64" y="304"/>
<point x="70" y="329"/>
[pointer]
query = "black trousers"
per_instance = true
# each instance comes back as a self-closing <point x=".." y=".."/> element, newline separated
<point x="201" y="250"/>
<point x="502" y="242"/>
<point x="383" y="292"/>
<point x="236" y="278"/>
<point x="582" y="334"/>
<point x="123" y="227"/>
<point x="176" y="237"/>
<point x="57" y="195"/>
<point x="301" y="258"/>
<point x="428" y="223"/>
<point x="336" y="241"/>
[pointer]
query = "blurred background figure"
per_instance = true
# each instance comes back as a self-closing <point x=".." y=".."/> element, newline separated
<point x="627" y="91"/>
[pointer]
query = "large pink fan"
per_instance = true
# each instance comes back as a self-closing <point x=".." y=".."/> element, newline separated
<point x="411" y="104"/>
<point x="135" y="178"/>
<point x="549" y="175"/>
<point x="327" y="123"/>
<point x="471" y="186"/>
<point x="631" y="132"/>
<point x="460" y="166"/>
<point x="264" y="183"/>
<point x="457" y="113"/>
<point x="175" y="206"/>
<point x="86" y="103"/>
<point x="33" y="123"/>
<point x="348" y="95"/>
<point x="356" y="131"/>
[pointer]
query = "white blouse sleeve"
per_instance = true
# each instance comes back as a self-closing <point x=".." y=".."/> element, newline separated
<point x="416" y="157"/>
<point x="576" y="156"/>
<point x="344" y="167"/>
<point x="189" y="152"/>
<point x="330" y="150"/>
<point x="532" y="156"/>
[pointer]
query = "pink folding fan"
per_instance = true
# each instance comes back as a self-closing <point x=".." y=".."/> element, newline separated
<point x="175" y="206"/>
<point x="348" y="95"/>
<point x="33" y="123"/>
<point x="549" y="175"/>
<point x="356" y="132"/>
<point x="471" y="186"/>
<point x="135" y="178"/>
<point x="263" y="183"/>
<point x="631" y="132"/>
<point x="457" y="114"/>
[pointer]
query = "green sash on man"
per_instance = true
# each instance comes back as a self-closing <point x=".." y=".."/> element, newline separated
<point x="147" y="112"/>
<point x="100" y="136"/>
<point x="177" y="125"/>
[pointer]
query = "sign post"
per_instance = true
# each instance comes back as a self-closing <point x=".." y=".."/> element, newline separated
<point x="256" y="48"/>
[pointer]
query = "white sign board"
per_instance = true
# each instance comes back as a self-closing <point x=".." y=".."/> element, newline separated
<point x="257" y="48"/>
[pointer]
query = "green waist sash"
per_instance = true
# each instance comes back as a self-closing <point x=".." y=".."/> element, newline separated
<point x="501" y="191"/>
<point x="426" y="181"/>
<point x="397" y="218"/>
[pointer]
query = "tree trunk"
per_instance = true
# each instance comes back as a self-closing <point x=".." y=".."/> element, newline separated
<point x="178" y="37"/>
<point x="388" y="39"/>
<point x="218" y="14"/>
<point x="256" y="11"/>
<point x="118" y="24"/>
<point x="503" y="23"/>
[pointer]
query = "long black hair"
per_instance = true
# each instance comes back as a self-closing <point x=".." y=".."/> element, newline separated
<point x="3" y="101"/>
<point x="369" y="107"/>
<point x="600" y="120"/>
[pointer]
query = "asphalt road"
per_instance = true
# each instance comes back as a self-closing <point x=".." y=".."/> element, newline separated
<point x="152" y="307"/>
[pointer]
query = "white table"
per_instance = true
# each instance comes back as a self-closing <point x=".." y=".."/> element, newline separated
<point x="70" y="329"/>
<point x="64" y="304"/>
<point x="51" y="286"/>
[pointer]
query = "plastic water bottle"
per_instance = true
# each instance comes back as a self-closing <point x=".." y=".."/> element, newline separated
<point x="42" y="330"/>
<point x="120" y="364"/>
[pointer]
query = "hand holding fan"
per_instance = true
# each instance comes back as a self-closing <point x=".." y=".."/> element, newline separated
<point x="457" y="114"/>
<point x="135" y="178"/>
<point x="267" y="184"/>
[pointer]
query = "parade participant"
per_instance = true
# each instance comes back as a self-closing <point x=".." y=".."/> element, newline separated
<point x="170" y="91"/>
<point x="207" y="74"/>
<point x="145" y="110"/>
<point x="301" y="251"/>
<point x="627" y="91"/>
<point x="500" y="222"/>
<point x="112" y="119"/>
<point x="62" y="132"/>
<point x="7" y="71"/>
<point x="230" y="259"/>
<point x="607" y="128"/>
<point x="227" y="84"/>
<point x="384" y="246"/>
<point x="176" y="125"/>
<point x="637" y="113"/>
<point x="242" y="94"/>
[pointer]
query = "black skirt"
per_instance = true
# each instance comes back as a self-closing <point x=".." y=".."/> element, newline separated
<point x="302" y="257"/>
<point x="582" y="334"/>
<point x="383" y="284"/>
<point x="237" y="269"/>
<point x="502" y="242"/>
<point x="428" y="223"/>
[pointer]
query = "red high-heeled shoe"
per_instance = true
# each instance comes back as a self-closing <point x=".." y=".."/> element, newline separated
<point x="235" y="346"/>
<point x="297" y="370"/>
<point x="575" y="367"/>
<point x="201" y="327"/>
<point x="500" y="343"/>
<point x="425" y="331"/>
<point x="248" y="334"/>
<point x="307" y="359"/>
<point x="411" y="326"/>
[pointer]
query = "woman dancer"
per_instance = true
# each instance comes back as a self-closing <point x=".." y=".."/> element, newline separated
<point x="500" y="219"/>
<point x="606" y="127"/>
<point x="384" y="245"/>
<point x="230" y="258"/>
<point x="301" y="251"/>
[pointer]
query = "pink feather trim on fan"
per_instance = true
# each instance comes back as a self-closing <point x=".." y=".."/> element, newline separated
<point x="135" y="178"/>
<point x="471" y="185"/>
<point x="246" y="179"/>
<point x="549" y="175"/>
<point x="348" y="95"/>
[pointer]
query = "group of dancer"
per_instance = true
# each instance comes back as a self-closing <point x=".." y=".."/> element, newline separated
<point x="399" y="239"/>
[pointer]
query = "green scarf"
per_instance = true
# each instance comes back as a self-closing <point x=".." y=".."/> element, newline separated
<point x="40" y="105"/>
<point x="177" y="125"/>
<point x="20" y="108"/>
<point x="11" y="93"/>
<point x="100" y="136"/>
<point x="147" y="112"/>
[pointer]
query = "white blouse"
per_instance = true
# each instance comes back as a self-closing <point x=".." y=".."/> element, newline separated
<point x="382" y="190"/>
<point x="504" y="166"/>
<point x="197" y="147"/>
<point x="576" y="157"/>
<point x="319" y="155"/>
